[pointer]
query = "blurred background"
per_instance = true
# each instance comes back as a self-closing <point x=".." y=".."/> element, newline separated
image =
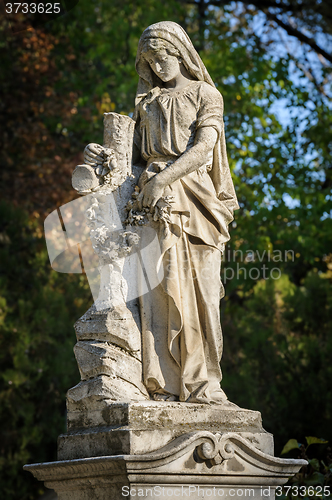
<point x="272" y="62"/>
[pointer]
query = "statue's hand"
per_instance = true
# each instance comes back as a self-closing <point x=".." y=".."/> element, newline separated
<point x="151" y="193"/>
<point x="93" y="155"/>
<point x="145" y="177"/>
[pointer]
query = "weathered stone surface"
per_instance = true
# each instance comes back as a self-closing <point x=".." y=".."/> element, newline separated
<point x="108" y="165"/>
<point x="109" y="361"/>
<point x="139" y="427"/>
<point x="96" y="358"/>
<point x="197" y="462"/>
<point x="118" y="326"/>
<point x="147" y="415"/>
<point x="109" y="373"/>
<point x="118" y="136"/>
<point x="84" y="178"/>
<point x="99" y="393"/>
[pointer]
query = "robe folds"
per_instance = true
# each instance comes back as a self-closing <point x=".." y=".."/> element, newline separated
<point x="181" y="332"/>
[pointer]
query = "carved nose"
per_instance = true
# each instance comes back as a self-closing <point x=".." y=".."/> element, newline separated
<point x="158" y="67"/>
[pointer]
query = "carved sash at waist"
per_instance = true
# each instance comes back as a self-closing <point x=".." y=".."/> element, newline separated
<point x="156" y="164"/>
<point x="159" y="163"/>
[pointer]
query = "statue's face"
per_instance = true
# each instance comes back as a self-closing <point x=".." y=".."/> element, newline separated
<point x="166" y="67"/>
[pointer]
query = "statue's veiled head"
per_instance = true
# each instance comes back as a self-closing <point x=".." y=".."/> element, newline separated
<point x="169" y="41"/>
<point x="162" y="57"/>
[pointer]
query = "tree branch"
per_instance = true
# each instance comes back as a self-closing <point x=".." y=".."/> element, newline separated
<point x="263" y="6"/>
<point x="300" y="36"/>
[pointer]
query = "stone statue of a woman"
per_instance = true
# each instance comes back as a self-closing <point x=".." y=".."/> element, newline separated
<point x="179" y="133"/>
<point x="117" y="437"/>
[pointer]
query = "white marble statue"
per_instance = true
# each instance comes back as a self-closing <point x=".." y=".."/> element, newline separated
<point x="180" y="134"/>
<point x="130" y="428"/>
<point x="186" y="195"/>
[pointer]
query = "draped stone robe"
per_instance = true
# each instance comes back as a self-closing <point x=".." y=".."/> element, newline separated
<point x="181" y="332"/>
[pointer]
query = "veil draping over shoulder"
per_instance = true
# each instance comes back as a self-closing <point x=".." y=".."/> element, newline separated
<point x="175" y="35"/>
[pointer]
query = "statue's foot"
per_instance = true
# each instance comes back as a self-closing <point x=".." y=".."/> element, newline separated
<point x="199" y="400"/>
<point x="216" y="398"/>
<point x="219" y="398"/>
<point x="164" y="397"/>
<point x="210" y="401"/>
<point x="224" y="403"/>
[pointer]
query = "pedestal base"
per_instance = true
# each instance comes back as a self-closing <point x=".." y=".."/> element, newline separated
<point x="145" y="426"/>
<point x="195" y="465"/>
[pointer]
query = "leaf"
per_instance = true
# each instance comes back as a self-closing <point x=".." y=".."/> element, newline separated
<point x="315" y="479"/>
<point x="313" y="440"/>
<point x="314" y="462"/>
<point x="292" y="444"/>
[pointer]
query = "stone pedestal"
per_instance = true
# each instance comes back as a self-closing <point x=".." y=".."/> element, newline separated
<point x="156" y="450"/>
<point x="197" y="465"/>
<point x="146" y="426"/>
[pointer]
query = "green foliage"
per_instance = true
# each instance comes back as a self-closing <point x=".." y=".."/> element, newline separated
<point x="315" y="479"/>
<point x="292" y="444"/>
<point x="278" y="349"/>
<point x="104" y="36"/>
